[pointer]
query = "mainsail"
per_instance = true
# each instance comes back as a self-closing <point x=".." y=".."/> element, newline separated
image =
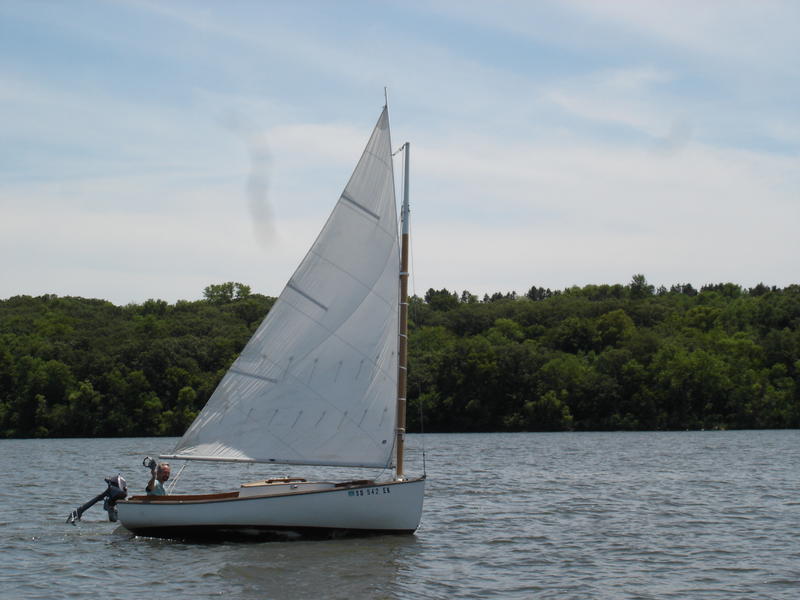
<point x="316" y="384"/>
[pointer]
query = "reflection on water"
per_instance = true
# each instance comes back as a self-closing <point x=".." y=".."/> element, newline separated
<point x="607" y="515"/>
<point x="364" y="568"/>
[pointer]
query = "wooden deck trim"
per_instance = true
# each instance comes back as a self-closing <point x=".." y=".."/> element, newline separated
<point x="182" y="497"/>
<point x="234" y="496"/>
<point x="276" y="481"/>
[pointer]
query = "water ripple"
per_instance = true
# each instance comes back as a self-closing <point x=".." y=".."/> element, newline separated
<point x="605" y="516"/>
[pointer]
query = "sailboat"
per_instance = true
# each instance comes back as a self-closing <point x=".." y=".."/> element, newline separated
<point x="321" y="382"/>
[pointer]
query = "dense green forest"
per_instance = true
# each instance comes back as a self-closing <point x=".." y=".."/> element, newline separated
<point x="597" y="357"/>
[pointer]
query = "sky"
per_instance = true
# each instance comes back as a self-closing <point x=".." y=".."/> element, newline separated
<point x="149" y="149"/>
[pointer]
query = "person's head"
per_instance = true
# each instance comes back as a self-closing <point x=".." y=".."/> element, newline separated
<point x="162" y="472"/>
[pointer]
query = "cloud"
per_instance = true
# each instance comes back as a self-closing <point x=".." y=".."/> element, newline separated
<point x="753" y="32"/>
<point x="52" y="246"/>
<point x="576" y="214"/>
<point x="169" y="233"/>
<point x="723" y="71"/>
<point x="552" y="142"/>
<point x="620" y="96"/>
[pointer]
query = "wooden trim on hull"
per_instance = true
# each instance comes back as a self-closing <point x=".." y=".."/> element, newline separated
<point x="234" y="496"/>
<point x="183" y="498"/>
<point x="265" y="533"/>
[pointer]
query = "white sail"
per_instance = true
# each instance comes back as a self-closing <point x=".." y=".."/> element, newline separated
<point x="316" y="384"/>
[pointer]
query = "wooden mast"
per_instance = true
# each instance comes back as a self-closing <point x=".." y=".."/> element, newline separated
<point x="403" y="341"/>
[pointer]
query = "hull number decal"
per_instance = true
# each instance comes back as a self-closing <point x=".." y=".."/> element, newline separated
<point x="370" y="491"/>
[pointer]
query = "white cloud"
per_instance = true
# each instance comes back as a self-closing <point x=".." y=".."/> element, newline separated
<point x="583" y="152"/>
<point x="50" y="246"/>
<point x="590" y="214"/>
<point x="754" y="32"/>
<point x="620" y="96"/>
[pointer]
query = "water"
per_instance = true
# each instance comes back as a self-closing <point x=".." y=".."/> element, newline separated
<point x="595" y="515"/>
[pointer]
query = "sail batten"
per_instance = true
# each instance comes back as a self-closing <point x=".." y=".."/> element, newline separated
<point x="360" y="207"/>
<point x="315" y="383"/>
<point x="306" y="296"/>
<point x="254" y="376"/>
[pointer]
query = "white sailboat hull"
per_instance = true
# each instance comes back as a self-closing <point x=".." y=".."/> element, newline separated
<point x="326" y="510"/>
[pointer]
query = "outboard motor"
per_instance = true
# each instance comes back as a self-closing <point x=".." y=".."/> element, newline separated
<point x="117" y="490"/>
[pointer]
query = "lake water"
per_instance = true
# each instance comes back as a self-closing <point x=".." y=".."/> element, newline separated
<point x="564" y="515"/>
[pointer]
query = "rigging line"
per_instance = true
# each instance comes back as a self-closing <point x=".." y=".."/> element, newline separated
<point x="175" y="480"/>
<point x="380" y="475"/>
<point x="422" y="428"/>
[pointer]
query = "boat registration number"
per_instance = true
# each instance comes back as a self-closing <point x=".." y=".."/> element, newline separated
<point x="370" y="491"/>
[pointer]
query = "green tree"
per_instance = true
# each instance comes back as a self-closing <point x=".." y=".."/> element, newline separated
<point x="441" y="300"/>
<point x="640" y="288"/>
<point x="548" y="413"/>
<point x="223" y="293"/>
<point x="614" y="328"/>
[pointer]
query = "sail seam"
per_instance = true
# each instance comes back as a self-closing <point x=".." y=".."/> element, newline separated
<point x="377" y="157"/>
<point x="392" y="377"/>
<point x="368" y="288"/>
<point x="370" y="292"/>
<point x="331" y="333"/>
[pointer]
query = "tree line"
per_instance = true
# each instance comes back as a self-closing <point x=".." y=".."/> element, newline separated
<point x="598" y="357"/>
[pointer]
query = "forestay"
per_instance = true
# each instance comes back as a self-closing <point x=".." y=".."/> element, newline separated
<point x="316" y="384"/>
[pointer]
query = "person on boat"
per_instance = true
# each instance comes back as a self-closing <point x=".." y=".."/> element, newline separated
<point x="158" y="476"/>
